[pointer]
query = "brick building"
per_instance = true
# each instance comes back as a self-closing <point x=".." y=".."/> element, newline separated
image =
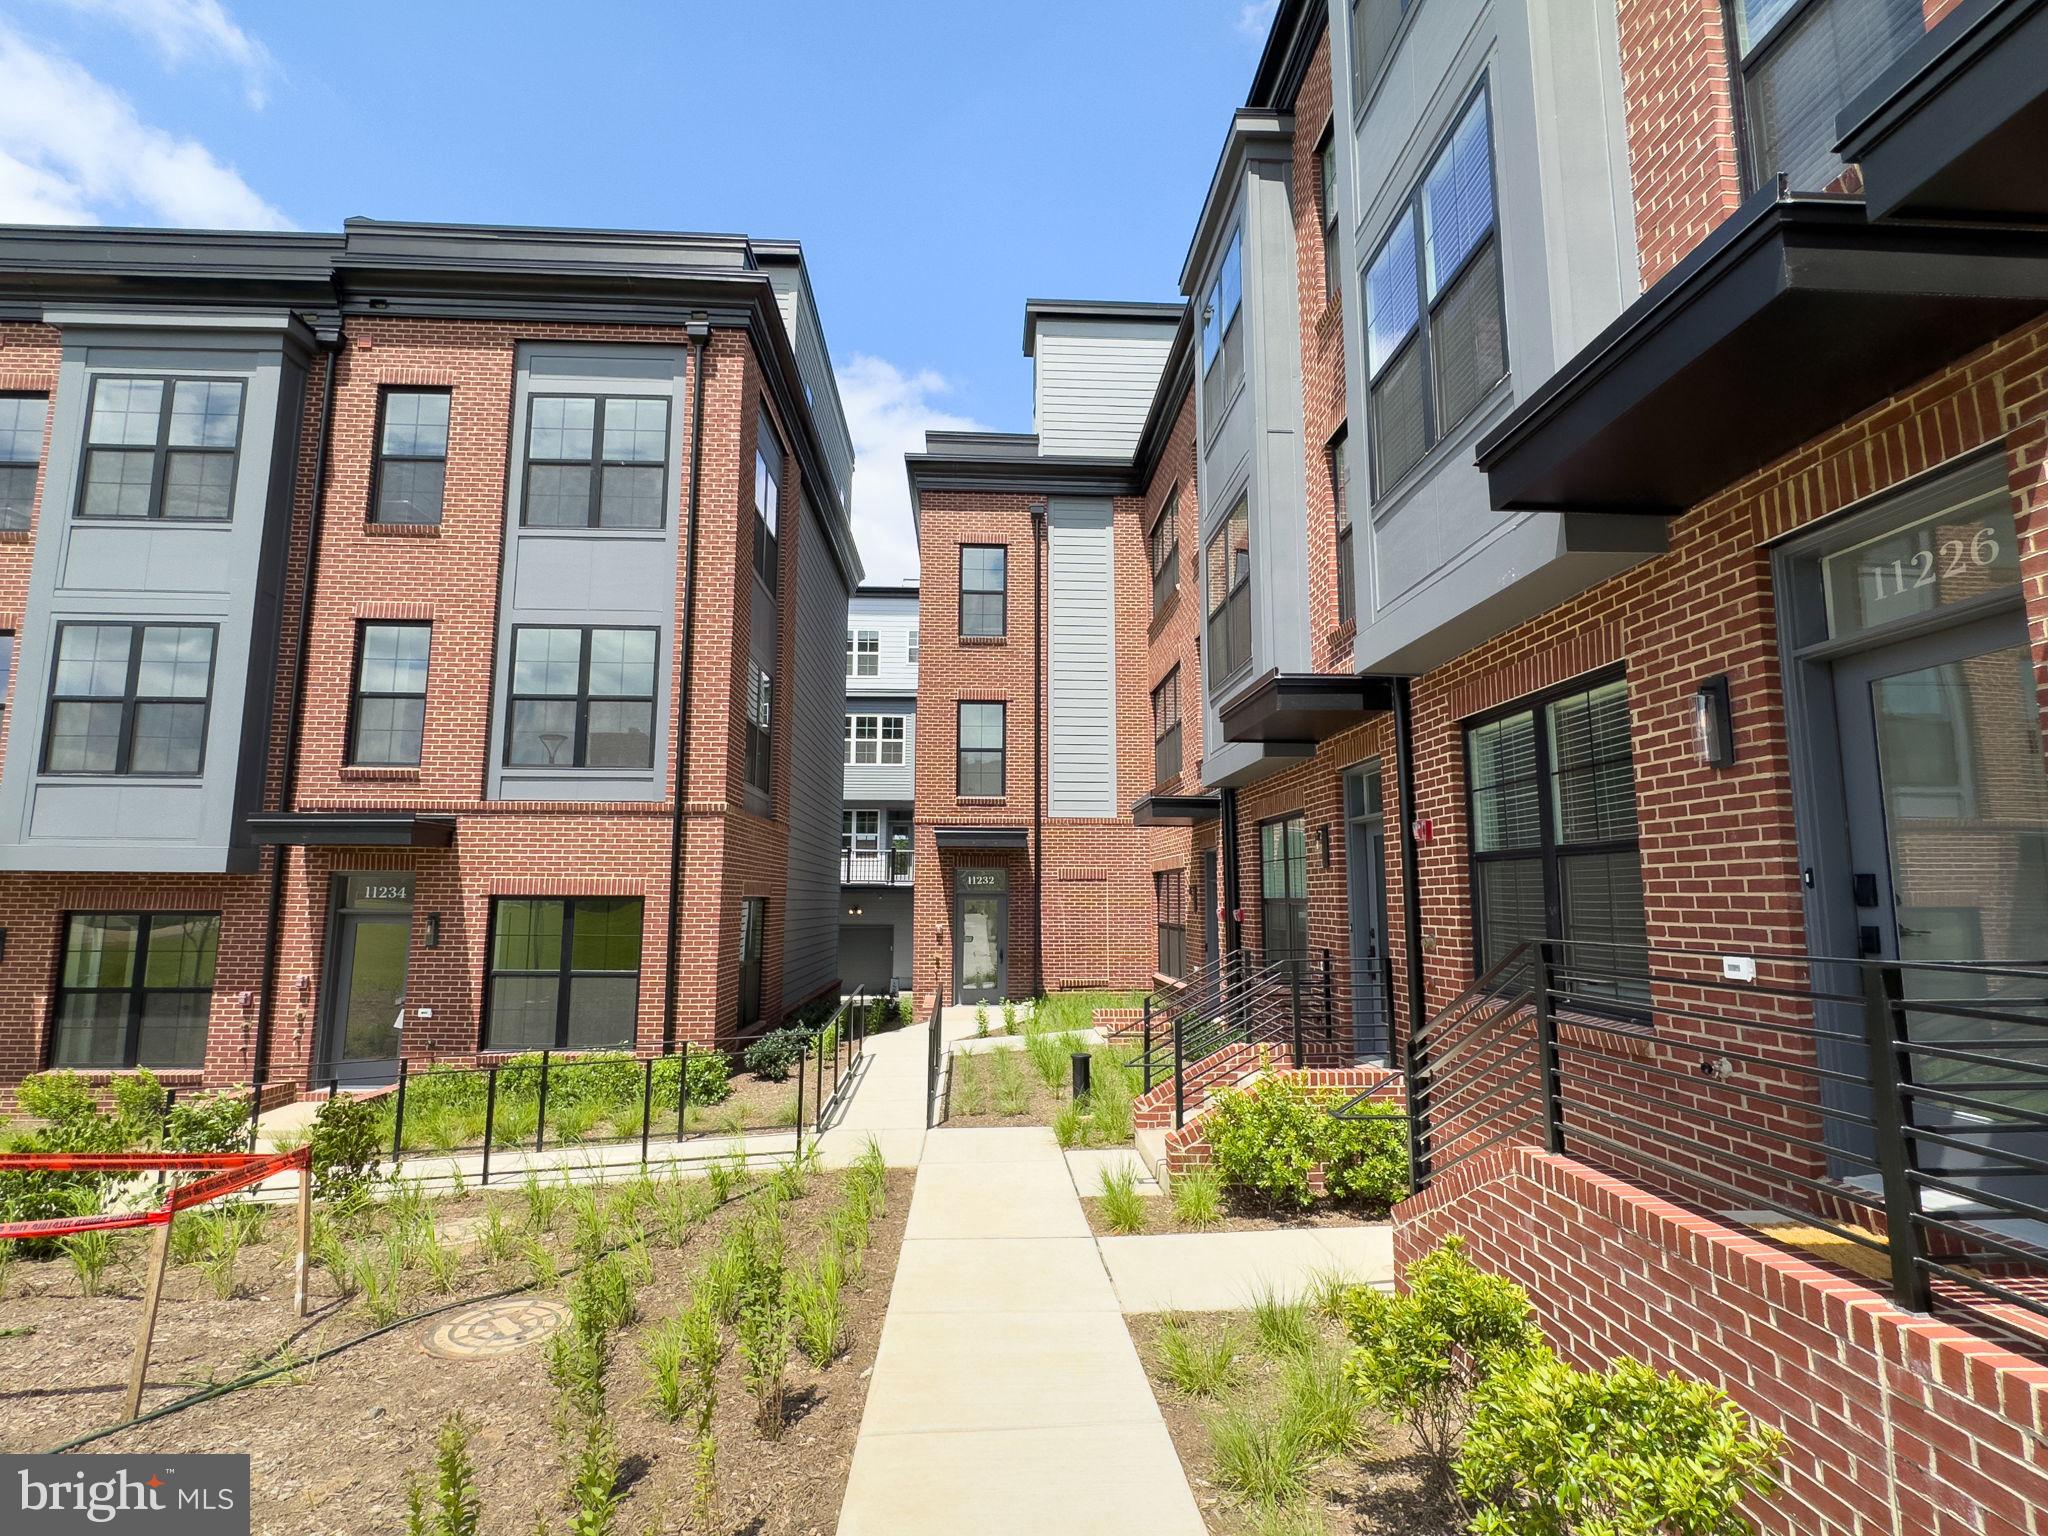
<point x="361" y="702"/>
<point x="1611" y="461"/>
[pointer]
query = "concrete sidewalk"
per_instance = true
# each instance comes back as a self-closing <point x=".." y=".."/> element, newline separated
<point x="1007" y="1398"/>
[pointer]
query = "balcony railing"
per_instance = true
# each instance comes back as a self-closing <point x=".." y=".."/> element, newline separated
<point x="891" y="868"/>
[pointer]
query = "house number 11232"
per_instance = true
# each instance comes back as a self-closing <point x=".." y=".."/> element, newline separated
<point x="1946" y="562"/>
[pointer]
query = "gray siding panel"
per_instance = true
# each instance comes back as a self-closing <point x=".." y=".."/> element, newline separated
<point x="880" y="783"/>
<point x="1081" y="657"/>
<point x="815" y="706"/>
<point x="1095" y="382"/>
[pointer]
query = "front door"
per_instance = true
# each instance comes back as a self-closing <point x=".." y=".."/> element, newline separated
<point x="371" y="937"/>
<point x="1365" y="869"/>
<point x="981" y="919"/>
<point x="1947" y="798"/>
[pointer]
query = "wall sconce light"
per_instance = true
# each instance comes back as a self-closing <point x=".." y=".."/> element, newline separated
<point x="1713" y="723"/>
<point x="433" y="930"/>
<point x="853" y="911"/>
<point x="1323" y="842"/>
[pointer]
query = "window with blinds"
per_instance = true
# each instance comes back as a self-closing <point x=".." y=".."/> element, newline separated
<point x="1802" y="62"/>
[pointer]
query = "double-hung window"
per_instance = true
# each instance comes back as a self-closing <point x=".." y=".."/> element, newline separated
<point x="1169" y="901"/>
<point x="767" y="502"/>
<point x="412" y="455"/>
<point x="130" y="699"/>
<point x="565" y="974"/>
<point x="21" y="452"/>
<point x="875" y="739"/>
<point x="161" y="448"/>
<point x="1227" y="579"/>
<point x="1162" y="545"/>
<point x="1436" y="332"/>
<point x="391" y="695"/>
<point x="1166" y="729"/>
<point x="760" y="731"/>
<point x="1283" y="890"/>
<point x="1802" y="62"/>
<point x="595" y="461"/>
<point x="863" y="652"/>
<point x="1554" y="853"/>
<point x="1222" y="335"/>
<point x="982" y="750"/>
<point x="1340" y="501"/>
<point x="1327" y="203"/>
<point x="135" y="990"/>
<point x="581" y="698"/>
<point x="984" y="590"/>
<point x="1374" y="24"/>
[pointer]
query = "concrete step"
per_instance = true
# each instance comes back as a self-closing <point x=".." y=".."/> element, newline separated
<point x="1152" y="1150"/>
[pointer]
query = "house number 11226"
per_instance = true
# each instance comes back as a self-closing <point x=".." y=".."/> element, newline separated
<point x="1954" y="556"/>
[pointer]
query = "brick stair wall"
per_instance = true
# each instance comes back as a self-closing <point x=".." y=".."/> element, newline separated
<point x="1188" y="1146"/>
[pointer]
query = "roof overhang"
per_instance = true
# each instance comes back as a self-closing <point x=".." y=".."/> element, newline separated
<point x="1094" y="311"/>
<point x="1958" y="126"/>
<point x="982" y="837"/>
<point x="1176" y="810"/>
<point x="1793" y="316"/>
<point x="351" y="829"/>
<point x="1303" y="706"/>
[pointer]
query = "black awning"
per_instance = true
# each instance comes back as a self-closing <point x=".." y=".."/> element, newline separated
<point x="352" y="829"/>
<point x="1958" y="126"/>
<point x="1794" y="315"/>
<point x="1176" y="810"/>
<point x="982" y="837"/>
<point x="1303" y="706"/>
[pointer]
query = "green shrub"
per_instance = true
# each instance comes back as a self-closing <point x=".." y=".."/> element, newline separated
<point x="707" y="1078"/>
<point x="774" y="1056"/>
<point x="1268" y="1138"/>
<point x="1200" y="1365"/>
<point x="73" y="1123"/>
<point x="1623" y="1452"/>
<point x="346" y="1138"/>
<point x="456" y="1507"/>
<point x="1267" y="1457"/>
<point x="60" y="1097"/>
<point x="212" y="1122"/>
<point x="1421" y="1354"/>
<point x="1198" y="1196"/>
<point x="1122" y="1206"/>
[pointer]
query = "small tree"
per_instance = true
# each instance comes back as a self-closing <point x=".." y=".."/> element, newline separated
<point x="457" y="1509"/>
<point x="1421" y="1354"/>
<point x="347" y="1135"/>
<point x="1624" y="1452"/>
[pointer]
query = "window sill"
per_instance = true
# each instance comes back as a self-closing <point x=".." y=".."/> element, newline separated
<point x="168" y="1077"/>
<point x="388" y="774"/>
<point x="984" y="639"/>
<point x="982" y="799"/>
<point x="401" y="530"/>
<point x="15" y="536"/>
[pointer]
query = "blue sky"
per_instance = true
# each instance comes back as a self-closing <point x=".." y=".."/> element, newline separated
<point x="940" y="161"/>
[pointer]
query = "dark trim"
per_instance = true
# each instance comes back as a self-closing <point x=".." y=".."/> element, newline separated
<point x="564" y="971"/>
<point x="356" y="695"/>
<point x="1012" y="473"/>
<point x="1283" y="62"/>
<point x="1411" y="865"/>
<point x="909" y="591"/>
<point x="1041" y="685"/>
<point x="350" y="829"/>
<point x="597" y="463"/>
<point x="1175" y="810"/>
<point x="138" y="989"/>
<point x="1233" y="894"/>
<point x="700" y="336"/>
<point x="1176" y="379"/>
<point x="583" y="698"/>
<point x="982" y="837"/>
<point x="379" y="458"/>
<point x="130" y="699"/>
<point x="962" y="592"/>
<point x="1303" y="706"/>
<point x="1791" y="317"/>
<point x="1036" y="310"/>
<point x="160" y="449"/>
<point x="960" y="749"/>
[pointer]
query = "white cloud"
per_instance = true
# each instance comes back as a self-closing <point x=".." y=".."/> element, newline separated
<point x="186" y="29"/>
<point x="74" y="151"/>
<point x="1255" y="19"/>
<point x="888" y="413"/>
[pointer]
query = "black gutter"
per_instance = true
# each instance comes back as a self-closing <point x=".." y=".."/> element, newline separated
<point x="700" y="335"/>
<point x="273" y="921"/>
<point x="1411" y="869"/>
<point x="1233" y="929"/>
<point x="1040" y="692"/>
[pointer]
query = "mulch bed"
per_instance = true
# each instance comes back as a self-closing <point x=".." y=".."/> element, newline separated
<point x="332" y="1443"/>
<point x="1385" y="1490"/>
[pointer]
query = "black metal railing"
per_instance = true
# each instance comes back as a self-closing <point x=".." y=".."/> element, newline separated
<point x="1897" y="1107"/>
<point x="934" y="1053"/>
<point x="880" y="868"/>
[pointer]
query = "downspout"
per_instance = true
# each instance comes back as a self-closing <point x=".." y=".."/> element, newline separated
<point x="700" y="335"/>
<point x="1233" y="930"/>
<point x="1044" y="691"/>
<point x="1411" y="868"/>
<point x="273" y="922"/>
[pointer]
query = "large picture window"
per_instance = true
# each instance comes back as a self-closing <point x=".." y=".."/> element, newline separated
<point x="130" y="699"/>
<point x="1166" y="729"/>
<point x="984" y="590"/>
<point x="581" y="698"/>
<point x="1162" y="546"/>
<point x="391" y="695"/>
<point x="1802" y="62"/>
<point x="161" y="448"/>
<point x="1436" y="333"/>
<point x="565" y="974"/>
<point x="1169" y="900"/>
<point x="135" y="990"/>
<point x="982" y="750"/>
<point x="1554" y="853"/>
<point x="595" y="461"/>
<point x="21" y="453"/>
<point x="1283" y="890"/>
<point x="412" y="455"/>
<point x="1226" y="580"/>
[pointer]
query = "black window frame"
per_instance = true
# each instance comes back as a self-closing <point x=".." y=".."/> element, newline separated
<point x="1435" y="429"/>
<point x="137" y="991"/>
<point x="384" y="457"/>
<point x="130" y="700"/>
<point x="1166" y="735"/>
<point x="1337" y="457"/>
<point x="33" y="465"/>
<point x="1164" y="558"/>
<point x="583" y="699"/>
<point x="1001" y="753"/>
<point x="753" y="937"/>
<point x="1550" y="854"/>
<point x="760" y="728"/>
<point x="1296" y="907"/>
<point x="162" y="448"/>
<point x="1221" y="619"/>
<point x="1169" y="905"/>
<point x="768" y="520"/>
<point x="1329" y="210"/>
<point x="1002" y="629"/>
<point x="564" y="972"/>
<point x="358" y="695"/>
<point x="597" y="463"/>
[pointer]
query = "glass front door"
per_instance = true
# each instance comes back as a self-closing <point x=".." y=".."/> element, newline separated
<point x="982" y="921"/>
<point x="1365" y="874"/>
<point x="372" y="940"/>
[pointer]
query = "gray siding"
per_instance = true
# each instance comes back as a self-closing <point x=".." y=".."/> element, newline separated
<point x="1081" y="659"/>
<point x="225" y="575"/>
<point x="891" y="910"/>
<point x="1095" y="380"/>
<point x="807" y="340"/>
<point x="893" y="619"/>
<point x="878" y="783"/>
<point x="589" y="576"/>
<point x="813" y="701"/>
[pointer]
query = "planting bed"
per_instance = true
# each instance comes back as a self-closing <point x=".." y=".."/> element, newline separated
<point x="334" y="1442"/>
<point x="1162" y="1218"/>
<point x="1030" y="1085"/>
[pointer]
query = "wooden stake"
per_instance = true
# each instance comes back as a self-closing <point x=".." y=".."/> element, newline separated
<point x="299" y="1294"/>
<point x="159" y="1255"/>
